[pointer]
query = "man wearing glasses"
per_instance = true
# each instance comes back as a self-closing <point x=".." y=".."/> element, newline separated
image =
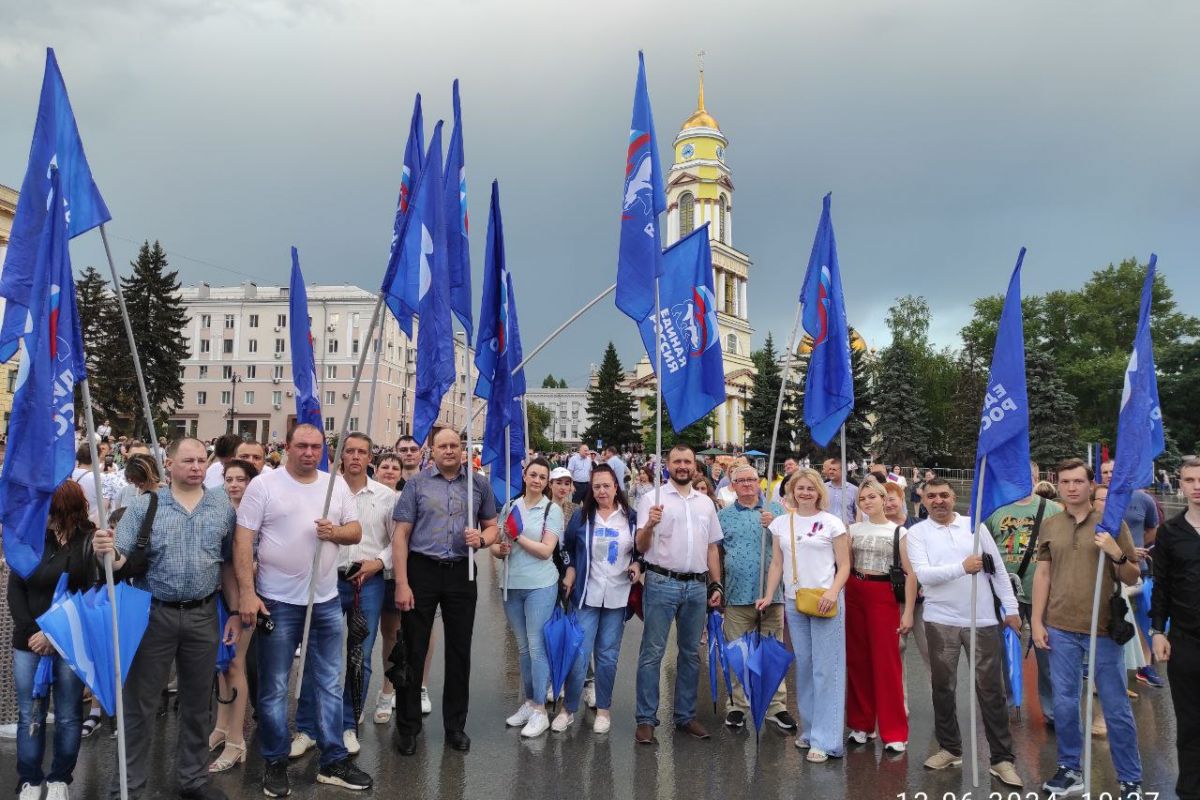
<point x="410" y="460"/>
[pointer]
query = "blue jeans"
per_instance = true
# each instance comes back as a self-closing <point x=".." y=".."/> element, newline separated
<point x="1068" y="652"/>
<point x="820" y="648"/>
<point x="31" y="720"/>
<point x="602" y="632"/>
<point x="371" y="600"/>
<point x="663" y="601"/>
<point x="322" y="672"/>
<point x="527" y="611"/>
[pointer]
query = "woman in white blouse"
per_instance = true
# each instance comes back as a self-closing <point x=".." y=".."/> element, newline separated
<point x="810" y="550"/>
<point x="603" y="567"/>
<point x="875" y="679"/>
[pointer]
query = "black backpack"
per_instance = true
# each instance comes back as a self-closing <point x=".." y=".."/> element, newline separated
<point x="137" y="562"/>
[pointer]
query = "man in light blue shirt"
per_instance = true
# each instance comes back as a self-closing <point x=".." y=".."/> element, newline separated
<point x="613" y="459"/>
<point x="580" y="467"/>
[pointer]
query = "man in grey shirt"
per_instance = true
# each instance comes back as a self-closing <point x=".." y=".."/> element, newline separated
<point x="431" y="543"/>
<point x="843" y="495"/>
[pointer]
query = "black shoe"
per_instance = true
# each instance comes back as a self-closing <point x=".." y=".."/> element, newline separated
<point x="343" y="773"/>
<point x="207" y="792"/>
<point x="275" y="779"/>
<point x="785" y="721"/>
<point x="406" y="744"/>
<point x="1130" y="790"/>
<point x="1065" y="782"/>
<point x="735" y="719"/>
<point x="459" y="741"/>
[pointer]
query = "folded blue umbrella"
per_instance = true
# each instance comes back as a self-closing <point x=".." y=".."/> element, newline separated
<point x="564" y="642"/>
<point x="1012" y="657"/>
<point x="760" y="662"/>
<point x="1141" y="609"/>
<point x="225" y="652"/>
<point x="716" y="655"/>
<point x="43" y="678"/>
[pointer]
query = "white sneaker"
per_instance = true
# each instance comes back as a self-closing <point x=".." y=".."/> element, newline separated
<point x="383" y="707"/>
<point x="538" y="724"/>
<point x="589" y="694"/>
<point x="31" y="792"/>
<point x="301" y="744"/>
<point x="602" y="724"/>
<point x="521" y="716"/>
<point x="896" y="747"/>
<point x="562" y="721"/>
<point x="426" y="703"/>
<point x="350" y="740"/>
<point x="860" y="737"/>
<point x="57" y="790"/>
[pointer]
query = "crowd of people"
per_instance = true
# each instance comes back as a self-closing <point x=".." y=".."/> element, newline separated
<point x="846" y="571"/>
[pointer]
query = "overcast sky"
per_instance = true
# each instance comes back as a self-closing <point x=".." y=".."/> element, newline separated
<point x="950" y="132"/>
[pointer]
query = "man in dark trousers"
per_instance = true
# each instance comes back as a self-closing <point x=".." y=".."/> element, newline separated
<point x="431" y="543"/>
<point x="1176" y="600"/>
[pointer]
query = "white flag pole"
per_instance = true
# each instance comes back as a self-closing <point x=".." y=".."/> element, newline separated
<point x="470" y="468"/>
<point x="374" y="382"/>
<point x="1091" y="679"/>
<point x="783" y="379"/>
<point x="977" y="522"/>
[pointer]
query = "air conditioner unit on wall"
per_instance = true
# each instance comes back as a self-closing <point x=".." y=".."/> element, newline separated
<point x="278" y="406"/>
<point x="289" y="393"/>
<point x="279" y="355"/>
<point x="275" y="380"/>
<point x="331" y="328"/>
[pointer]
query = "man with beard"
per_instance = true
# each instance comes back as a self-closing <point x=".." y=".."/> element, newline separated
<point x="678" y="531"/>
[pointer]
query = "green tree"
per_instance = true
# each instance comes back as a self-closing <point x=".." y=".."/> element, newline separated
<point x="760" y="410"/>
<point x="698" y="434"/>
<point x="100" y="323"/>
<point x="902" y="434"/>
<point x="1178" y="386"/>
<point x="541" y="421"/>
<point x="158" y="318"/>
<point x="1053" y="410"/>
<point x="610" y="408"/>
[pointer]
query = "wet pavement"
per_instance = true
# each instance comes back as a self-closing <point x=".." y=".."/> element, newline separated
<point x="581" y="765"/>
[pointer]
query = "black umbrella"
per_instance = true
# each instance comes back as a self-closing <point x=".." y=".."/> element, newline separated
<point x="398" y="673"/>
<point x="356" y="634"/>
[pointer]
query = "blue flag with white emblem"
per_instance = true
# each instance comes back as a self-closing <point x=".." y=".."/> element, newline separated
<point x="1004" y="422"/>
<point x="457" y="225"/>
<point x="400" y="282"/>
<point x="640" y="258"/>
<point x="829" y="383"/>
<point x="425" y="234"/>
<point x="304" y="364"/>
<point x="693" y="379"/>
<point x="41" y="431"/>
<point x="1140" y="436"/>
<point x="497" y="351"/>
<point x="55" y="141"/>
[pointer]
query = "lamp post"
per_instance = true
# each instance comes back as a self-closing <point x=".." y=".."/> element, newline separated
<point x="233" y="382"/>
<point x="744" y="401"/>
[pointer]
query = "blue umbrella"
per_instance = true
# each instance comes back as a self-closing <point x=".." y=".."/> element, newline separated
<point x="1141" y="609"/>
<point x="716" y="659"/>
<point x="225" y="652"/>
<point x="1012" y="655"/>
<point x="43" y="678"/>
<point x="80" y="627"/>
<point x="760" y="661"/>
<point x="564" y="641"/>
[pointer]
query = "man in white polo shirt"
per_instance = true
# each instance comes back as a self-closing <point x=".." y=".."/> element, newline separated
<point x="942" y="552"/>
<point x="679" y="536"/>
<point x="282" y="510"/>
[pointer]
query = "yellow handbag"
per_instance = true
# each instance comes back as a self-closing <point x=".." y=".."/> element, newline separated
<point x="807" y="600"/>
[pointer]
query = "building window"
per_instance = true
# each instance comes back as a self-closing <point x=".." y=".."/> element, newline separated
<point x="354" y="347"/>
<point x="253" y="346"/>
<point x="254" y="320"/>
<point x="252" y="371"/>
<point x="229" y="322"/>
<point x="205" y="346"/>
<point x="249" y="398"/>
<point x="329" y="424"/>
<point x="330" y="398"/>
<point x="201" y="398"/>
<point x="333" y="347"/>
<point x="277" y="398"/>
<point x="731" y="344"/>
<point x="203" y="370"/>
<point x="730" y="294"/>
<point x="278" y="375"/>
<point x="279" y="345"/>
<point x="227" y="346"/>
<point x="721" y="219"/>
<point x="206" y="320"/>
<point x="226" y="397"/>
<point x="687" y="214"/>
<point x="281" y="320"/>
<point x="182" y="374"/>
<point x="354" y="423"/>
<point x="356" y="394"/>
<point x="354" y="320"/>
<point x="226" y="372"/>
<point x="331" y="372"/>
<point x="353" y="371"/>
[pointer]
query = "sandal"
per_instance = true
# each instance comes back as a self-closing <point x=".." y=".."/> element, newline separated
<point x="383" y="707"/>
<point x="217" y="738"/>
<point x="91" y="723"/>
<point x="225" y="762"/>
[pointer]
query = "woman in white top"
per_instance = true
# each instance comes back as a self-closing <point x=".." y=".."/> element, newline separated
<point x="603" y="567"/>
<point x="528" y="539"/>
<point x="875" y="679"/>
<point x="810" y="550"/>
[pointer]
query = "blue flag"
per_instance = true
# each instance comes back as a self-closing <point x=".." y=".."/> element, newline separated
<point x="640" y="258"/>
<point x="41" y="431"/>
<point x="55" y="141"/>
<point x="693" y="379"/>
<point x="457" y="246"/>
<point x="304" y="364"/>
<point x="1004" y="423"/>
<point x="425" y="234"/>
<point x="829" y="383"/>
<point x="1140" y="425"/>
<point x="497" y="351"/>
<point x="401" y="280"/>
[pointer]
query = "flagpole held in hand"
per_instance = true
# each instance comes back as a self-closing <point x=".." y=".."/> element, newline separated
<point x="507" y="496"/>
<point x="783" y="379"/>
<point x="133" y="351"/>
<point x="333" y="469"/>
<point x="374" y="383"/>
<point x="657" y="397"/>
<point x="470" y="468"/>
<point x="1091" y="675"/>
<point x="102" y="516"/>
<point x="975" y="526"/>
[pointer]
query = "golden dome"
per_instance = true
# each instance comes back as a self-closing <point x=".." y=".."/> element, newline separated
<point x="857" y="343"/>
<point x="701" y="118"/>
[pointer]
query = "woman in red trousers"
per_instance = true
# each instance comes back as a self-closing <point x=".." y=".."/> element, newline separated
<point x="875" y="684"/>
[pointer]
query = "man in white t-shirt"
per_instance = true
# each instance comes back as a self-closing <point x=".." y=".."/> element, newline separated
<point x="283" y="511"/>
<point x="254" y="453"/>
<point x="83" y="475"/>
<point x="223" y="452"/>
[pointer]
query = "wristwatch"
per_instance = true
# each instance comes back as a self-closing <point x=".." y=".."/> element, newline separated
<point x="1123" y="559"/>
<point x="1155" y="632"/>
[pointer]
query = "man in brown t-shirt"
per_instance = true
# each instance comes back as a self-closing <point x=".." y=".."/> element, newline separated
<point x="1063" y="589"/>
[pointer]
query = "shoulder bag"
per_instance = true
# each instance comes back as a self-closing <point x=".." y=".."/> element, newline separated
<point x="896" y="572"/>
<point x="137" y="563"/>
<point x="807" y="600"/>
